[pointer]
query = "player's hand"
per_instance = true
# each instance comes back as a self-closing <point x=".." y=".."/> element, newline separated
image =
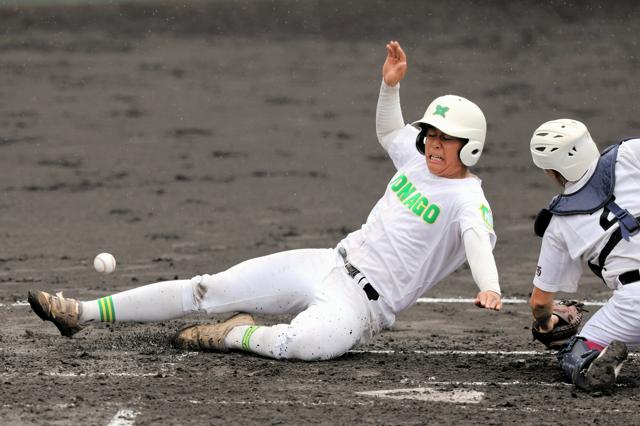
<point x="553" y="320"/>
<point x="488" y="300"/>
<point x="395" y="66"/>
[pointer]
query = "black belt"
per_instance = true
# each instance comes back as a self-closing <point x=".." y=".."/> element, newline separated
<point x="629" y="277"/>
<point x="371" y="292"/>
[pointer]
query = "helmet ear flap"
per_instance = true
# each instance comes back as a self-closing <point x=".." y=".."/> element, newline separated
<point x="420" y="139"/>
<point x="470" y="152"/>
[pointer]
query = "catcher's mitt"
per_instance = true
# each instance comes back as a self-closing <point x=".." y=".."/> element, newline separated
<point x="570" y="314"/>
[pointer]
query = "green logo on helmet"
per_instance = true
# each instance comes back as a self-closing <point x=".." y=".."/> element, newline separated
<point x="441" y="110"/>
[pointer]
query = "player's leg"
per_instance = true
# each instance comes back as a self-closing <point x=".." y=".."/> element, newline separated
<point x="152" y="302"/>
<point x="278" y="283"/>
<point x="338" y="320"/>
<point x="594" y="358"/>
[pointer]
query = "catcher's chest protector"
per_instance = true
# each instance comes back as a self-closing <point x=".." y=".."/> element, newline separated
<point x="594" y="195"/>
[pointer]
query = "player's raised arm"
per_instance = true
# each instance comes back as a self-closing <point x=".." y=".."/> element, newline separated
<point x="388" y="112"/>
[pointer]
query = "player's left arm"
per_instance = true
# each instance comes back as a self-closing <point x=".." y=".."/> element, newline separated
<point x="479" y="252"/>
<point x="389" y="120"/>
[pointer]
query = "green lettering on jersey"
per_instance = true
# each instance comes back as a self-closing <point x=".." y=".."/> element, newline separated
<point x="431" y="214"/>
<point x="406" y="190"/>
<point x="420" y="205"/>
<point x="416" y="203"/>
<point x="398" y="183"/>
<point x="413" y="200"/>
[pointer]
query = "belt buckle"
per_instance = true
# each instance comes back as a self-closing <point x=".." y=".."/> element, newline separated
<point x="351" y="270"/>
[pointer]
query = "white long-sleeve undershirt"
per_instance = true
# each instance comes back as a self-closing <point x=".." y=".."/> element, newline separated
<point x="388" y="114"/>
<point x="477" y="243"/>
<point x="477" y="247"/>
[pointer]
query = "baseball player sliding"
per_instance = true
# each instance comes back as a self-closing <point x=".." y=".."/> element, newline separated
<point x="432" y="217"/>
<point x="594" y="220"/>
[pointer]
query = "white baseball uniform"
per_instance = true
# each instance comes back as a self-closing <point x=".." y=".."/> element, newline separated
<point x="569" y="241"/>
<point x="412" y="239"/>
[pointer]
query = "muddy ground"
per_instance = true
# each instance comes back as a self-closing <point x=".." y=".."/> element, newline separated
<point x="184" y="138"/>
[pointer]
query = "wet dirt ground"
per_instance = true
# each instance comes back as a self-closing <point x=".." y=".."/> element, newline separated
<point x="185" y="138"/>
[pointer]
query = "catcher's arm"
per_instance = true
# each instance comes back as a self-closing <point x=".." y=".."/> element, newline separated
<point x="541" y="303"/>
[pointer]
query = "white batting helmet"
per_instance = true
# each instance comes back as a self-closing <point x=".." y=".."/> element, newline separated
<point x="565" y="146"/>
<point x="458" y="117"/>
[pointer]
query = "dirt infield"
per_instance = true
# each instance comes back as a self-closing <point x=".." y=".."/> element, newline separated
<point x="184" y="138"/>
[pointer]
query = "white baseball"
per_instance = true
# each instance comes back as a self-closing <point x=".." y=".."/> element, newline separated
<point x="104" y="263"/>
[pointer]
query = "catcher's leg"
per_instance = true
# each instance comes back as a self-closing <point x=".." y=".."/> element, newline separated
<point x="618" y="319"/>
<point x="590" y="368"/>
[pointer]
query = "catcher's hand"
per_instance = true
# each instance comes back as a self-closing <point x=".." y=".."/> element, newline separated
<point x="569" y="313"/>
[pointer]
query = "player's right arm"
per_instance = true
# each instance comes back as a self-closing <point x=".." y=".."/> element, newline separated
<point x="389" y="120"/>
<point x="556" y="271"/>
<point x="541" y="303"/>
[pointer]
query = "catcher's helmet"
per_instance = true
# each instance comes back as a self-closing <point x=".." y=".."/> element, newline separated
<point x="565" y="146"/>
<point x="457" y="117"/>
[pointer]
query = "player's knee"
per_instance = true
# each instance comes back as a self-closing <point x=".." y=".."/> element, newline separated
<point x="200" y="286"/>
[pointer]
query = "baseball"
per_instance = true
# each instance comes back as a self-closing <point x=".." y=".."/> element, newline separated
<point x="104" y="263"/>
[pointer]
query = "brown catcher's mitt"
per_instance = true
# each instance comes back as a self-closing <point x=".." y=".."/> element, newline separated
<point x="570" y="314"/>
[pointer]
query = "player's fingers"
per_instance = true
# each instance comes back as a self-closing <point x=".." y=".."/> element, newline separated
<point x="397" y="51"/>
<point x="401" y="55"/>
<point x="493" y="303"/>
<point x="389" y="51"/>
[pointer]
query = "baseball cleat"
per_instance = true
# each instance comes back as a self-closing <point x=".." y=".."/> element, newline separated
<point x="209" y="337"/>
<point x="63" y="313"/>
<point x="603" y="371"/>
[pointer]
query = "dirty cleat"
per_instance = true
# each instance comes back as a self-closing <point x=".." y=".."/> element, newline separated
<point x="209" y="337"/>
<point x="63" y="313"/>
<point x="603" y="371"/>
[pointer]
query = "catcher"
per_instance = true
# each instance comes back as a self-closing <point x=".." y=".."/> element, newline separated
<point x="594" y="220"/>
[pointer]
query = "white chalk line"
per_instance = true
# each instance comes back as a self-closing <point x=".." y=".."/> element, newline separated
<point x="461" y="352"/>
<point x="446" y="352"/>
<point x="82" y="375"/>
<point x="316" y="403"/>
<point x="124" y="417"/>
<point x="506" y="301"/>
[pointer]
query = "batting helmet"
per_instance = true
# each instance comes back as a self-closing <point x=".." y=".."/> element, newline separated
<point x="457" y="117"/>
<point x="564" y="146"/>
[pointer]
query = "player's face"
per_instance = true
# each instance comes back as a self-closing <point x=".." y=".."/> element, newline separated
<point x="442" y="154"/>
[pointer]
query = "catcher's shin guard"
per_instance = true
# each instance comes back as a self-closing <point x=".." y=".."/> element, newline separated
<point x="591" y="369"/>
